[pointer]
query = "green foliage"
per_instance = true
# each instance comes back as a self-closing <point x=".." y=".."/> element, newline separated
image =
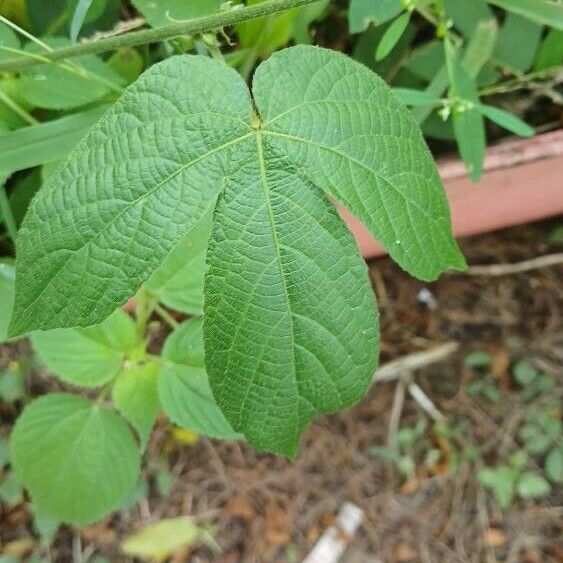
<point x="392" y="35"/>
<point x="65" y="448"/>
<point x="7" y="279"/>
<point x="532" y="382"/>
<point x="285" y="203"/>
<point x="183" y="385"/>
<point x="66" y="85"/>
<point x="541" y="11"/>
<point x="511" y="480"/>
<point x="364" y="12"/>
<point x="90" y="356"/>
<point x="164" y="12"/>
<point x="135" y="396"/>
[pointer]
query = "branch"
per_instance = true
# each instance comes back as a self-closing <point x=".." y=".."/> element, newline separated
<point x="189" y="27"/>
<point x="525" y="266"/>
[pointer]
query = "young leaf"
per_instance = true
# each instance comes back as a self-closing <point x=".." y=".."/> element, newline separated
<point x="8" y="38"/>
<point x="480" y="46"/>
<point x="411" y="97"/>
<point x="178" y="282"/>
<point x="78" y="18"/>
<point x="135" y="396"/>
<point x="543" y="12"/>
<point x="184" y="388"/>
<point x="88" y="356"/>
<point x="364" y="12"/>
<point x="78" y="460"/>
<point x="392" y="36"/>
<point x="284" y="276"/>
<point x="468" y="123"/>
<point x="506" y="120"/>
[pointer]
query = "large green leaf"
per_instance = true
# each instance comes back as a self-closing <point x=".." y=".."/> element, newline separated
<point x="88" y="356"/>
<point x="290" y="326"/>
<point x="467" y="15"/>
<point x="550" y="53"/>
<point x="184" y="388"/>
<point x="135" y="395"/>
<point x="78" y="460"/>
<point x="178" y="282"/>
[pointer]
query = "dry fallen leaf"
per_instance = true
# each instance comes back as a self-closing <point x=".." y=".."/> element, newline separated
<point x="494" y="537"/>
<point x="278" y="525"/>
<point x="239" y="506"/>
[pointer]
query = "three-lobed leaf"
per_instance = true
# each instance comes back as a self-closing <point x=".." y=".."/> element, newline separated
<point x="78" y="460"/>
<point x="290" y="326"/>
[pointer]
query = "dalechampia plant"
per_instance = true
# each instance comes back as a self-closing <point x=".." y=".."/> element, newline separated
<point x="289" y="328"/>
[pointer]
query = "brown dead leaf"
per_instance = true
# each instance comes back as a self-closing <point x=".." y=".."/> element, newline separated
<point x="18" y="548"/>
<point x="404" y="552"/>
<point x="493" y="537"/>
<point x="499" y="368"/>
<point x="278" y="524"/>
<point x="101" y="533"/>
<point x="239" y="506"/>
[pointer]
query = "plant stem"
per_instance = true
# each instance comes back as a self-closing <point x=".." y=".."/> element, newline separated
<point x="189" y="27"/>
<point x="166" y="316"/>
<point x="519" y="81"/>
<point x="7" y="213"/>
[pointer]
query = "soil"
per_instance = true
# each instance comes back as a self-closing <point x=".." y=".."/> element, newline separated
<point x="262" y="508"/>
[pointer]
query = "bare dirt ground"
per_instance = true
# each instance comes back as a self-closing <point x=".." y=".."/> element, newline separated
<point x="262" y="508"/>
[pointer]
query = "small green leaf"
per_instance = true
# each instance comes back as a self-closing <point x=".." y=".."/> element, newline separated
<point x="127" y="62"/>
<point x="524" y="373"/>
<point x="466" y="16"/>
<point x="77" y="459"/>
<point x="178" y="282"/>
<point x="7" y="280"/>
<point x="477" y="359"/>
<point x="513" y="53"/>
<point x="532" y="485"/>
<point x="164" y="12"/>
<point x="55" y="86"/>
<point x="11" y="384"/>
<point x="543" y="12"/>
<point x="507" y="120"/>
<point x="78" y="18"/>
<point x="11" y="490"/>
<point x="411" y="97"/>
<point x="480" y="46"/>
<point x="88" y="356"/>
<point x="135" y="396"/>
<point x="392" y="36"/>
<point x="550" y="54"/>
<point x="554" y="464"/>
<point x="362" y="13"/>
<point x="183" y="386"/>
<point x="468" y="122"/>
<point x="161" y="540"/>
<point x="501" y="482"/>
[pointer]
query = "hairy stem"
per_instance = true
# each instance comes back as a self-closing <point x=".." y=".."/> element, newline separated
<point x="189" y="27"/>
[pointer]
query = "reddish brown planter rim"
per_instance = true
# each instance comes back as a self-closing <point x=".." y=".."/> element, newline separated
<point x="522" y="182"/>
